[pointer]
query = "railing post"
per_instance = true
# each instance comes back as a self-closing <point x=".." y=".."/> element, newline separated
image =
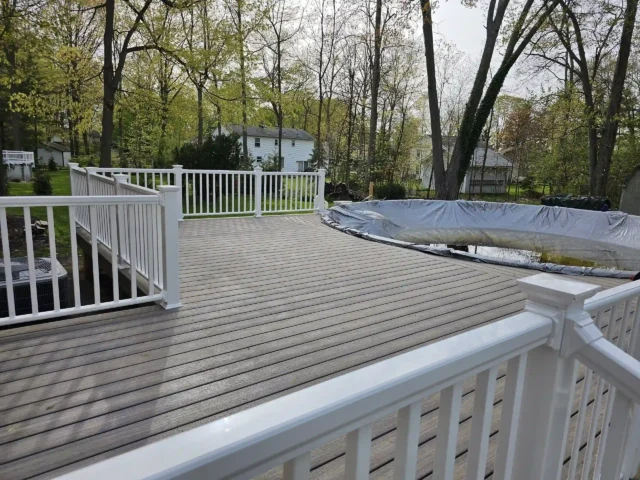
<point x="320" y="197"/>
<point x="169" y="196"/>
<point x="119" y="179"/>
<point x="177" y="174"/>
<point x="257" y="175"/>
<point x="549" y="378"/>
<point x="71" y="167"/>
<point x="90" y="171"/>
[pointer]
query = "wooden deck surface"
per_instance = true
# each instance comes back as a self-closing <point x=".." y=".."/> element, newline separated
<point x="270" y="305"/>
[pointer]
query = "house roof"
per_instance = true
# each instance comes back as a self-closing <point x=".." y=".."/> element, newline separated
<point x="56" y="146"/>
<point x="271" y="132"/>
<point x="494" y="159"/>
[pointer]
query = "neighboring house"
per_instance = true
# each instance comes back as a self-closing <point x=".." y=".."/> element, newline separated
<point x="55" y="149"/>
<point x="19" y="164"/>
<point x="630" y="197"/>
<point x="497" y="169"/>
<point x="262" y="142"/>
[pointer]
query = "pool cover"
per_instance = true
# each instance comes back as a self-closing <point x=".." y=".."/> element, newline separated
<point x="609" y="239"/>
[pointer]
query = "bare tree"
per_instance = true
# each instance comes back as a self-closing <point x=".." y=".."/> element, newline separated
<point x="530" y="18"/>
<point x="278" y="16"/>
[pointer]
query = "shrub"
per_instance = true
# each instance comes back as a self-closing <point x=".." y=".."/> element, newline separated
<point x="42" y="183"/>
<point x="222" y="152"/>
<point x="52" y="165"/>
<point x="391" y="191"/>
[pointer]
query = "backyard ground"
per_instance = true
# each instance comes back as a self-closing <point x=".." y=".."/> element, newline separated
<point x="61" y="186"/>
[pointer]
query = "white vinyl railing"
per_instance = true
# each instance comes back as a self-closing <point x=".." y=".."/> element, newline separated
<point x="130" y="227"/>
<point x="543" y="348"/>
<point x="17" y="156"/>
<point x="141" y="231"/>
<point x="145" y="177"/>
<point x="611" y="435"/>
<point x="232" y="192"/>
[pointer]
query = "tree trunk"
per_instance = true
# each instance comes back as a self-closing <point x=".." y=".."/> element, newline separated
<point x="199" y="89"/>
<point x="375" y="87"/>
<point x="280" y="115"/>
<point x="437" y="163"/>
<point x="85" y="141"/>
<point x="610" y="127"/>
<point x="243" y="82"/>
<point x="109" y="93"/>
<point x="484" y="158"/>
<point x="350" y="117"/>
<point x="3" y="168"/>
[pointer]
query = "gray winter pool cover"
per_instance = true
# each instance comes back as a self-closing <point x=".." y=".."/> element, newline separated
<point x="610" y="239"/>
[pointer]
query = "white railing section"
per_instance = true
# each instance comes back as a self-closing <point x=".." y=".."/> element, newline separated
<point x="101" y="221"/>
<point x="218" y="192"/>
<point x="610" y="430"/>
<point x="17" y="156"/>
<point x="231" y="192"/>
<point x="145" y="177"/>
<point x="144" y="234"/>
<point x="540" y="347"/>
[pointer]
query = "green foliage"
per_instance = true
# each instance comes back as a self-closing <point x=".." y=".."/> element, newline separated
<point x="52" y="165"/>
<point x="42" y="184"/>
<point x="270" y="164"/>
<point x="391" y="191"/>
<point x="219" y="153"/>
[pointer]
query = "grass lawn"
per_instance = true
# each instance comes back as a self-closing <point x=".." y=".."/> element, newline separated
<point x="522" y="196"/>
<point x="61" y="186"/>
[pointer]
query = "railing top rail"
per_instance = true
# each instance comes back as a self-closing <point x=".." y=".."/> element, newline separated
<point x="204" y="171"/>
<point x="65" y="201"/>
<point x="250" y="442"/>
<point x="297" y="174"/>
<point x="134" y="170"/>
<point x="612" y="296"/>
<point x="103" y="179"/>
<point x="138" y="189"/>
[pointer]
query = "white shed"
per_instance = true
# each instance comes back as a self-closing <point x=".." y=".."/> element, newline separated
<point x="19" y="164"/>
<point x="60" y="153"/>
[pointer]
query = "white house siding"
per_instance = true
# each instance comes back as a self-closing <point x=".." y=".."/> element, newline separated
<point x="290" y="155"/>
<point x="301" y="152"/>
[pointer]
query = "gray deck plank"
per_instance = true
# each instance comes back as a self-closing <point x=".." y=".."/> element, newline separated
<point x="271" y="305"/>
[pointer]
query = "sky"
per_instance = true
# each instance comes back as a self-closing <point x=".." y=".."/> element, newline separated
<point x="464" y="27"/>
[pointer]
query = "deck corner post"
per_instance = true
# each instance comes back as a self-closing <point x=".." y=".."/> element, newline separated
<point x="319" y="206"/>
<point x="72" y="166"/>
<point x="169" y="196"/>
<point x="257" y="174"/>
<point x="177" y="173"/>
<point x="550" y="379"/>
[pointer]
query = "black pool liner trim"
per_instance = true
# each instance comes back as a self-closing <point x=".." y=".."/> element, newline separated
<point x="448" y="252"/>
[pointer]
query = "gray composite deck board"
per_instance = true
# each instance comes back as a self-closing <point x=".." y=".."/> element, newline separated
<point x="270" y="306"/>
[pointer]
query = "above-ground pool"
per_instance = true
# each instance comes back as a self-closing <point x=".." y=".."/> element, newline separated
<point x="578" y="242"/>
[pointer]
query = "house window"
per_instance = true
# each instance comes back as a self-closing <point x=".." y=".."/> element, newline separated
<point x="257" y="142"/>
<point x="276" y="142"/>
<point x="259" y="159"/>
<point x="303" y="166"/>
<point x="293" y="143"/>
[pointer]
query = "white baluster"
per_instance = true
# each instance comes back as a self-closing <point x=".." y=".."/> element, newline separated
<point x="357" y="454"/>
<point x="297" y="468"/>
<point x="447" y="436"/>
<point x="407" y="436"/>
<point x="481" y="424"/>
